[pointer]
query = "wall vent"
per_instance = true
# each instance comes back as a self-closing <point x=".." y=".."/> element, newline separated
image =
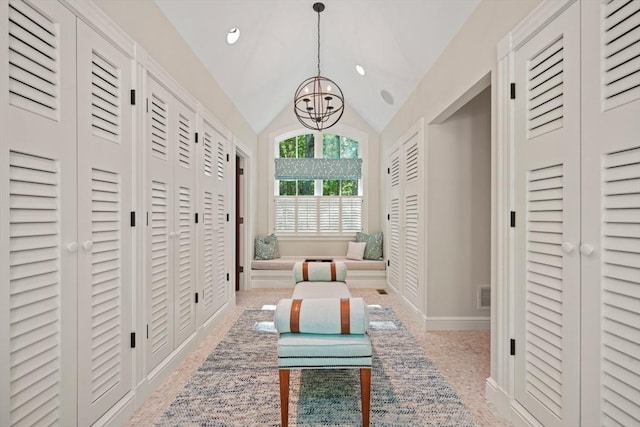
<point x="484" y="297"/>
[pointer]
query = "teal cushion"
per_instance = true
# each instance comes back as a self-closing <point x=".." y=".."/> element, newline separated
<point x="266" y="247"/>
<point x="323" y="351"/>
<point x="373" y="250"/>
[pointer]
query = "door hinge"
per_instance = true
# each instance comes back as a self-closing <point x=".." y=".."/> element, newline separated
<point x="513" y="219"/>
<point x="196" y="137"/>
<point x="227" y="277"/>
<point x="513" y="91"/>
<point x="241" y="171"/>
<point x="241" y="269"/>
<point x="388" y="263"/>
<point x="227" y="217"/>
<point x="147" y="105"/>
<point x="388" y="171"/>
<point x="147" y="331"/>
<point x="388" y="217"/>
<point x="241" y="220"/>
<point x="133" y="340"/>
<point x="512" y="351"/>
<point x="227" y="157"/>
<point x="196" y="297"/>
<point x="133" y="218"/>
<point x="133" y="97"/>
<point x="147" y="219"/>
<point x="196" y="217"/>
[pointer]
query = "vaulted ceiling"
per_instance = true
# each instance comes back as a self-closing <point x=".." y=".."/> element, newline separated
<point x="396" y="41"/>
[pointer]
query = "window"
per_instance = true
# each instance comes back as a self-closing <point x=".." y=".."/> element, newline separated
<point x="323" y="205"/>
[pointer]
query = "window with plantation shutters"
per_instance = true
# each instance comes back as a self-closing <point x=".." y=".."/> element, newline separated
<point x="318" y="186"/>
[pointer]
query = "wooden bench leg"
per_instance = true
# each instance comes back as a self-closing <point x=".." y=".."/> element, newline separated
<point x="284" y="397"/>
<point x="365" y="391"/>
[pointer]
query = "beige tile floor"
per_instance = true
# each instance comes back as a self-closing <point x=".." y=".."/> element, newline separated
<point x="461" y="356"/>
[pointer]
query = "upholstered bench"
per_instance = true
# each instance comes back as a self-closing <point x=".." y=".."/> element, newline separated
<point x="322" y="327"/>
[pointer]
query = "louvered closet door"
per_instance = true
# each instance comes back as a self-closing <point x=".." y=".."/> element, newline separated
<point x="394" y="255"/>
<point x="221" y="215"/>
<point x="410" y="230"/>
<point x="611" y="213"/>
<point x="159" y="251"/>
<point x="211" y="260"/>
<point x="104" y="232"/>
<point x="183" y="238"/>
<point x="547" y="263"/>
<point x="38" y="218"/>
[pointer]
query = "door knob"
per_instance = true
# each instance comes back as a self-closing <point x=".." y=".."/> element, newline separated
<point x="72" y="247"/>
<point x="586" y="249"/>
<point x="87" y="245"/>
<point x="172" y="234"/>
<point x="567" y="247"/>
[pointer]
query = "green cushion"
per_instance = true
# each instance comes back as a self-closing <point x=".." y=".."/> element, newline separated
<point x="373" y="250"/>
<point x="266" y="247"/>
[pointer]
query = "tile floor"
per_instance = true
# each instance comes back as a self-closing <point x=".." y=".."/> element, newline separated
<point x="461" y="356"/>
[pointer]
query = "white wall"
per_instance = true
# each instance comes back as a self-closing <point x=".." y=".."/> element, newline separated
<point x="285" y="122"/>
<point x="148" y="26"/>
<point x="459" y="209"/>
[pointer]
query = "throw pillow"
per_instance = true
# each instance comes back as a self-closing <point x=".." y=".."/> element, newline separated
<point x="374" y="245"/>
<point x="355" y="250"/>
<point x="267" y="247"/>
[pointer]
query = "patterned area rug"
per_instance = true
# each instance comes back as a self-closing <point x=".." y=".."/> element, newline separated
<point x="238" y="383"/>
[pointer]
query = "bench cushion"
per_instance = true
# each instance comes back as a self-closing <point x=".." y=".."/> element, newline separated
<point x="323" y="351"/>
<point x="321" y="290"/>
<point x="319" y="272"/>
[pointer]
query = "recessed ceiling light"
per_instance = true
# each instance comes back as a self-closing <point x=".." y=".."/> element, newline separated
<point x="360" y="69"/>
<point x="386" y="95"/>
<point x="233" y="35"/>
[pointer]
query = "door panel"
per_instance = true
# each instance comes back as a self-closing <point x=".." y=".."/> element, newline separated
<point x="547" y="267"/>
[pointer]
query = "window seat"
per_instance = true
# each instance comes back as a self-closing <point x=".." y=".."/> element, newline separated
<point x="277" y="273"/>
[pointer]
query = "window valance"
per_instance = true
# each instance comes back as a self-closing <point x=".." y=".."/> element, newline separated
<point x="308" y="168"/>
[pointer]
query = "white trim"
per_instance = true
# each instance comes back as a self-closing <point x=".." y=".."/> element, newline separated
<point x="521" y="418"/>
<point x="162" y="77"/>
<point x="101" y="23"/>
<point x="498" y="397"/>
<point x="278" y="279"/>
<point x="468" y="95"/>
<point x="457" y="323"/>
<point x="546" y="12"/>
<point x="247" y="212"/>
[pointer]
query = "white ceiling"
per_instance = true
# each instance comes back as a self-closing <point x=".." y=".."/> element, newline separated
<point x="395" y="40"/>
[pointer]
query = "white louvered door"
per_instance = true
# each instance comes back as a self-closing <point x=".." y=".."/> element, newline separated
<point x="393" y="230"/>
<point x="38" y="211"/>
<point x="184" y="238"/>
<point x="611" y="213"/>
<point x="104" y="230"/>
<point x="411" y="209"/>
<point x="159" y="251"/>
<point x="221" y="216"/>
<point x="211" y="174"/>
<point x="547" y="262"/>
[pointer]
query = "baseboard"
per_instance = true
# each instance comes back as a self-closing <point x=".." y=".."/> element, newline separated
<point x="520" y="417"/>
<point x="498" y="397"/>
<point x="120" y="413"/>
<point x="457" y="323"/>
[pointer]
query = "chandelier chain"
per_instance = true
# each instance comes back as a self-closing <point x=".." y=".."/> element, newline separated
<point x="318" y="42"/>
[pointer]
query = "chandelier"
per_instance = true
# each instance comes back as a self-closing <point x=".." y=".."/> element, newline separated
<point x="318" y="103"/>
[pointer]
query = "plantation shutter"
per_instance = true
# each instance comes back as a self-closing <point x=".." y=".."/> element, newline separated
<point x="611" y="212"/>
<point x="411" y="212"/>
<point x="285" y="209"/>
<point x="104" y="232"/>
<point x="38" y="202"/>
<point x="184" y="239"/>
<point x="548" y="226"/>
<point x="159" y="253"/>
<point x="393" y="275"/>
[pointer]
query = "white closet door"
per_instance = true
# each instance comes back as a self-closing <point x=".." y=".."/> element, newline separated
<point x="184" y="239"/>
<point x="393" y="231"/>
<point x="221" y="217"/>
<point x="547" y="262"/>
<point x="611" y="213"/>
<point x="159" y="251"/>
<point x="411" y="229"/>
<point x="38" y="215"/>
<point x="104" y="229"/>
<point x="209" y="177"/>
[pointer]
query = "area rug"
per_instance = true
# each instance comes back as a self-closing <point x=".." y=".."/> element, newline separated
<point x="238" y="383"/>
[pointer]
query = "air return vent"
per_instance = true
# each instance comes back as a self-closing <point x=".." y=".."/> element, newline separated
<point x="484" y="297"/>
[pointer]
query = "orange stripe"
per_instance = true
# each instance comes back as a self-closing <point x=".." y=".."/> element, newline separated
<point x="333" y="271"/>
<point x="294" y="321"/>
<point x="305" y="271"/>
<point x="345" y="323"/>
